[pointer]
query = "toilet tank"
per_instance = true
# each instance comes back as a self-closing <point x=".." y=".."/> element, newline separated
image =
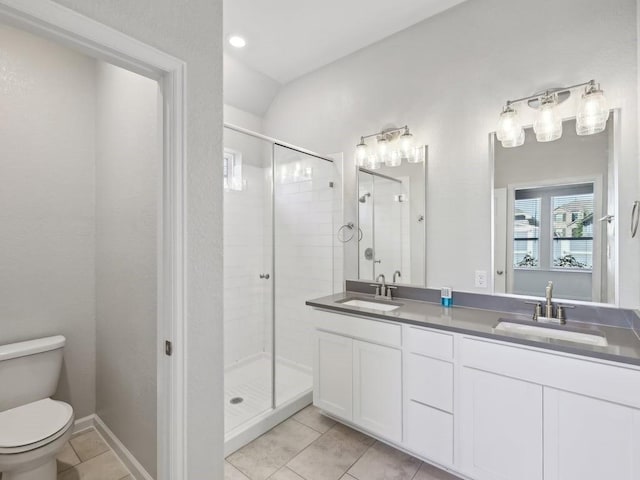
<point x="29" y="371"/>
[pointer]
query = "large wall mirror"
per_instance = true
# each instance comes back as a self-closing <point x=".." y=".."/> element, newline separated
<point x="391" y="218"/>
<point x="555" y="215"/>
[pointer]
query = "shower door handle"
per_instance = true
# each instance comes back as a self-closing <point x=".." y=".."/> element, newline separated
<point x="265" y="276"/>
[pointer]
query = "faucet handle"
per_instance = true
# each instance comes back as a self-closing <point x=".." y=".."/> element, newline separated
<point x="389" y="292"/>
<point x="560" y="312"/>
<point x="377" y="285"/>
<point x="537" y="312"/>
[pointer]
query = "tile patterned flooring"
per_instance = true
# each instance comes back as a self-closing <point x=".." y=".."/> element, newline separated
<point x="310" y="446"/>
<point x="87" y="457"/>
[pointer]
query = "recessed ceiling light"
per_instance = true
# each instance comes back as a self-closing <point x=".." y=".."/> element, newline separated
<point x="237" y="41"/>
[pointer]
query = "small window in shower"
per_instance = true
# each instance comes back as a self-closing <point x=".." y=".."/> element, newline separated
<point x="232" y="170"/>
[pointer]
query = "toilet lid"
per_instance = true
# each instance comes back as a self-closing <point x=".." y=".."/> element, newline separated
<point x="32" y="423"/>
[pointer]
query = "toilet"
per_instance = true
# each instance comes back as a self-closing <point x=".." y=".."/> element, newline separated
<point x="33" y="427"/>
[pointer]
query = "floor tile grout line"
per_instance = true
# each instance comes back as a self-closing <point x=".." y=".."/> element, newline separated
<point x="343" y="473"/>
<point x="363" y="454"/>
<point x="300" y="452"/>
<point x="309" y="426"/>
<point x="109" y="450"/>
<point x="72" y="448"/>
<point x="419" y="467"/>
<point x="287" y="462"/>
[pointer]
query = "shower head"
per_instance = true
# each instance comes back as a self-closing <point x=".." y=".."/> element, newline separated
<point x="363" y="198"/>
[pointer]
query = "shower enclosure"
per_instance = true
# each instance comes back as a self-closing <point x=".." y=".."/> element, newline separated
<point x="279" y="207"/>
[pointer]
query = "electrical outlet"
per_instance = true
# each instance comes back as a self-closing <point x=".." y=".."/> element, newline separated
<point x="481" y="279"/>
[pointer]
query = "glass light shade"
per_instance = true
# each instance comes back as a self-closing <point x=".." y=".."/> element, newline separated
<point x="417" y="155"/>
<point x="406" y="144"/>
<point x="548" y="124"/>
<point x="362" y="152"/>
<point x="509" y="130"/>
<point x="373" y="162"/>
<point x="383" y="150"/>
<point x="393" y="159"/>
<point x="593" y="113"/>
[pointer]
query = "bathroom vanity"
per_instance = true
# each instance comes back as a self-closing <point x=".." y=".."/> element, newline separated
<point x="489" y="404"/>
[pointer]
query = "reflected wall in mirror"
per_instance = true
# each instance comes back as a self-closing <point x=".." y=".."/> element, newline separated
<point x="555" y="216"/>
<point x="391" y="218"/>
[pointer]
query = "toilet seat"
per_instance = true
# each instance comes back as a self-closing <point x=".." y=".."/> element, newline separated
<point x="30" y="426"/>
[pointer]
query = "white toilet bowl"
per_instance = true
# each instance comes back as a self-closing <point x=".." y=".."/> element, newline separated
<point x="33" y="427"/>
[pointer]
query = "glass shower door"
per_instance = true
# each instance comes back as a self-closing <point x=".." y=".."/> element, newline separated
<point x="304" y="204"/>
<point x="248" y="278"/>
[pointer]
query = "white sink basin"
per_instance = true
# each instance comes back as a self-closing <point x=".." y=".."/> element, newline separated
<point x="555" y="333"/>
<point x="383" y="307"/>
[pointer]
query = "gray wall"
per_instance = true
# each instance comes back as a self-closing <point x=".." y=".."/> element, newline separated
<point x="448" y="78"/>
<point x="570" y="156"/>
<point x="193" y="32"/>
<point x="47" y="204"/>
<point x="128" y="167"/>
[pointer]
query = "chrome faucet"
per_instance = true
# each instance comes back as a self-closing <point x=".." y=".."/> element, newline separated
<point x="549" y="317"/>
<point x="382" y="289"/>
<point x="548" y="293"/>
<point x="383" y="285"/>
<point x="396" y="275"/>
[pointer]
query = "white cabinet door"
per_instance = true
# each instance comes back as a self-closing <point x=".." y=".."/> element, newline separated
<point x="332" y="379"/>
<point x="377" y="389"/>
<point x="501" y="427"/>
<point x="589" y="439"/>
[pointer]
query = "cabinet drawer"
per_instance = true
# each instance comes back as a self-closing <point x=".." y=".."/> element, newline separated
<point x="430" y="381"/>
<point x="362" y="328"/>
<point x="590" y="377"/>
<point x="430" y="343"/>
<point x="430" y="433"/>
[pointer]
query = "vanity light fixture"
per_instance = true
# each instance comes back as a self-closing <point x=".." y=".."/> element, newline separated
<point x="393" y="145"/>
<point x="591" y="117"/>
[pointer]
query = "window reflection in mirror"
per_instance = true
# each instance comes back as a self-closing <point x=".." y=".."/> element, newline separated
<point x="391" y="217"/>
<point x="554" y="210"/>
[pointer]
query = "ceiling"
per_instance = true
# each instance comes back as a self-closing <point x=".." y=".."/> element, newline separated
<point x="289" y="38"/>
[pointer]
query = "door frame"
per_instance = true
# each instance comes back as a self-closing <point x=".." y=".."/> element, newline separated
<point x="51" y="20"/>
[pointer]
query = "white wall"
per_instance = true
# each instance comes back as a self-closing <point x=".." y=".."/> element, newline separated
<point x="128" y="175"/>
<point x="448" y="78"/>
<point x="47" y="98"/>
<point x="242" y="118"/>
<point x="246" y="88"/>
<point x="192" y="32"/>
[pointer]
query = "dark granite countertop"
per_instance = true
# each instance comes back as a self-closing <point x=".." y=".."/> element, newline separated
<point x="624" y="344"/>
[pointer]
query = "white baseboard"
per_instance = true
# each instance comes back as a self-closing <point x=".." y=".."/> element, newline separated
<point x="137" y="471"/>
<point x="83" y="423"/>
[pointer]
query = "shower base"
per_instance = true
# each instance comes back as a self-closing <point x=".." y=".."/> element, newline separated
<point x="248" y="384"/>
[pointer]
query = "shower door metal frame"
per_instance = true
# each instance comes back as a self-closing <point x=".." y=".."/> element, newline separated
<point x="274" y="143"/>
